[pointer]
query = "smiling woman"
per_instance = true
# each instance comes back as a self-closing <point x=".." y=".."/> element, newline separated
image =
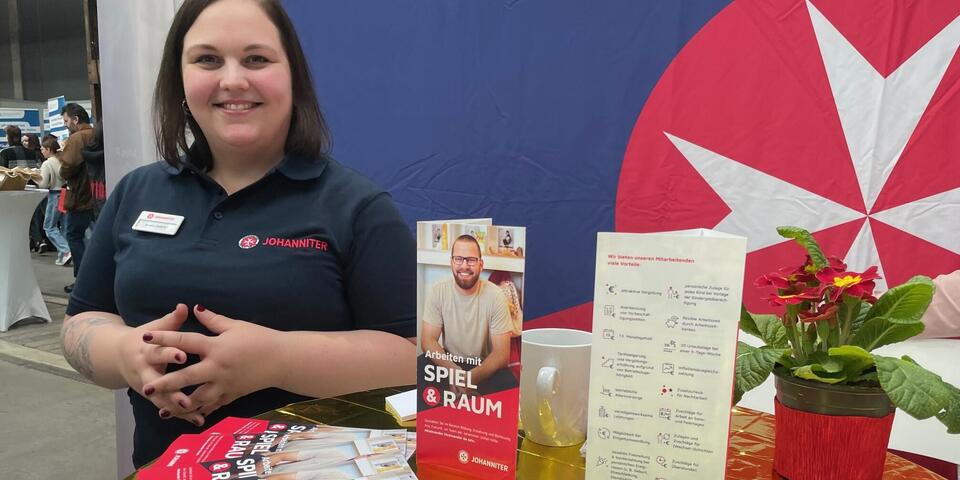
<point x="237" y="88"/>
<point x="308" y="311"/>
<point x="257" y="82"/>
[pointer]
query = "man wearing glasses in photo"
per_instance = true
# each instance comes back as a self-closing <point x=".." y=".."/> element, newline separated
<point x="474" y="320"/>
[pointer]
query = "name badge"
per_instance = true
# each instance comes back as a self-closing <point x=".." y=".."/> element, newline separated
<point x="162" y="223"/>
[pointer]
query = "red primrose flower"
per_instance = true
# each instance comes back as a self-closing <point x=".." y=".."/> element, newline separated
<point x="841" y="282"/>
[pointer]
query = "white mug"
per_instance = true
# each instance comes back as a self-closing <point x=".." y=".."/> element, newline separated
<point x="554" y="384"/>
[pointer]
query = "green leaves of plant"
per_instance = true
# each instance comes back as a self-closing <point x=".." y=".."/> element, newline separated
<point x="951" y="416"/>
<point x="920" y="393"/>
<point x="819" y="356"/>
<point x="896" y="315"/>
<point x="806" y="241"/>
<point x="754" y="366"/>
<point x="912" y="388"/>
<point x="854" y="359"/>
<point x="768" y="328"/>
<point x="904" y="303"/>
<point x="879" y="331"/>
<point x="861" y="316"/>
<point x="840" y="364"/>
<point x="819" y="372"/>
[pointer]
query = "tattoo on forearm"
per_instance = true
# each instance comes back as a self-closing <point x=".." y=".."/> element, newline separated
<point x="75" y="338"/>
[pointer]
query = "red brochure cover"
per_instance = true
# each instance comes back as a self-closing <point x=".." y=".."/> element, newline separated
<point x="470" y="284"/>
<point x="229" y="440"/>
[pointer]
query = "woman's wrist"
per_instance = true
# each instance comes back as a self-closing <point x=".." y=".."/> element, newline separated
<point x="118" y="352"/>
<point x="288" y="361"/>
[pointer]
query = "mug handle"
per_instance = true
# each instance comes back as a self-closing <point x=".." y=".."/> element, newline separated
<point x="547" y="380"/>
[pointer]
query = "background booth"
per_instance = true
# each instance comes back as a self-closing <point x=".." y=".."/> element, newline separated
<point x="572" y="117"/>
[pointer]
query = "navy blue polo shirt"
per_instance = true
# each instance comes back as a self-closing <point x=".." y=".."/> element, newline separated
<point x="312" y="245"/>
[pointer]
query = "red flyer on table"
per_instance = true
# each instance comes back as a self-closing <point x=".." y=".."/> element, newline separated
<point x="231" y="438"/>
<point x="470" y="312"/>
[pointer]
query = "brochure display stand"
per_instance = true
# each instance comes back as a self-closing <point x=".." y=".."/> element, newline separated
<point x="666" y="311"/>
<point x="470" y="313"/>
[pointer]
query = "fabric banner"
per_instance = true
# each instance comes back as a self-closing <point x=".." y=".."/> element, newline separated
<point x="835" y="116"/>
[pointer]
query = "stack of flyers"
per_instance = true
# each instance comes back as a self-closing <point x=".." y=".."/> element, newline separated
<point x="326" y="435"/>
<point x="239" y="448"/>
<point x="385" y="465"/>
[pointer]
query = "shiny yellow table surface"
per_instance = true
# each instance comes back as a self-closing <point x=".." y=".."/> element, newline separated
<point x="750" y="456"/>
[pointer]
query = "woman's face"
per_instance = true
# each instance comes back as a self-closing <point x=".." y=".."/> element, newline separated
<point x="236" y="77"/>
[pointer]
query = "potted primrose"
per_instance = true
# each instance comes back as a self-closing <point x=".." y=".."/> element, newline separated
<point x="836" y="399"/>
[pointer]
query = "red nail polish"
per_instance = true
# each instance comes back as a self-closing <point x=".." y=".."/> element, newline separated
<point x="147" y="337"/>
<point x="200" y="308"/>
<point x="148" y="390"/>
<point x="164" y="414"/>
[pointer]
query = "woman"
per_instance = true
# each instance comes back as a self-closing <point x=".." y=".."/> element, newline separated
<point x="32" y="142"/>
<point x="53" y="219"/>
<point x="306" y="267"/>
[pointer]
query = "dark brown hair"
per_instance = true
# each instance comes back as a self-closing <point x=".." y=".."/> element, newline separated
<point x="51" y="143"/>
<point x="75" y="110"/>
<point x="308" y="136"/>
<point x="33" y="141"/>
<point x="13" y="135"/>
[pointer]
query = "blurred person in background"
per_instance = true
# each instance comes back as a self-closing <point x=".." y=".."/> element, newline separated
<point x="31" y="142"/>
<point x="38" y="235"/>
<point x="92" y="155"/>
<point x="79" y="202"/>
<point x="53" y="219"/>
<point x="16" y="155"/>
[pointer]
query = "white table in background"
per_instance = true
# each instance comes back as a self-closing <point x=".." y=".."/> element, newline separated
<point x="20" y="296"/>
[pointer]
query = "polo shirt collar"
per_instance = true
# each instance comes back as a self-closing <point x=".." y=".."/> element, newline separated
<point x="298" y="168"/>
<point x="184" y="165"/>
<point x="172" y="169"/>
<point x="294" y="168"/>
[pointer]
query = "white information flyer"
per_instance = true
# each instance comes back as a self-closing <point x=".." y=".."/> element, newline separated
<point x="665" y="324"/>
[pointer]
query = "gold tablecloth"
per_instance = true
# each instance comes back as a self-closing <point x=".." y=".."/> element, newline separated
<point x="750" y="456"/>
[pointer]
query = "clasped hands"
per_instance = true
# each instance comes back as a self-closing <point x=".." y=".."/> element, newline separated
<point x="230" y="363"/>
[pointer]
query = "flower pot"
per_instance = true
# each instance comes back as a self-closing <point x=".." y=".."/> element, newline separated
<point x="830" y="432"/>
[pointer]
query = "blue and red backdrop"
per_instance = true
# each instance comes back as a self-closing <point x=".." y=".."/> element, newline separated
<point x="573" y="117"/>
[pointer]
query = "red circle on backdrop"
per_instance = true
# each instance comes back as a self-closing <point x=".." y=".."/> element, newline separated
<point x="752" y="86"/>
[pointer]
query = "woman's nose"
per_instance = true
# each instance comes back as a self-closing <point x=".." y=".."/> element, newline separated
<point x="234" y="77"/>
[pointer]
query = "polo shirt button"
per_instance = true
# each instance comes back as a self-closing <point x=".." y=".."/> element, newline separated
<point x="218" y="215"/>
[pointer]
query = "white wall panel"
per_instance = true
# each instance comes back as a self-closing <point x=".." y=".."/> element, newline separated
<point x="132" y="33"/>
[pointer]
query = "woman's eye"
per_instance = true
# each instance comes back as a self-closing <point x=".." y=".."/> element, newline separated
<point x="257" y="60"/>
<point x="207" y="60"/>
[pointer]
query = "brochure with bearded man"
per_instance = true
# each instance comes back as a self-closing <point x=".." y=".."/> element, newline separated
<point x="470" y="318"/>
